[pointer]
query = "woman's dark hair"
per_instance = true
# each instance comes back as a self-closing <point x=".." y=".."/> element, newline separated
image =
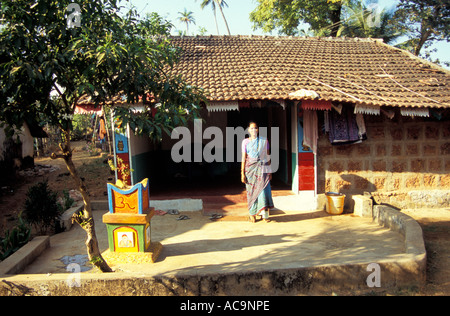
<point x="252" y="122"/>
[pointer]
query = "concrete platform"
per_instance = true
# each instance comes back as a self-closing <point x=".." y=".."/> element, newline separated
<point x="298" y="252"/>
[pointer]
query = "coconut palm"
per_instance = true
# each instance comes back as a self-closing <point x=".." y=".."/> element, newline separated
<point x="220" y="4"/>
<point x="186" y="17"/>
<point x="366" y="21"/>
<point x="213" y="6"/>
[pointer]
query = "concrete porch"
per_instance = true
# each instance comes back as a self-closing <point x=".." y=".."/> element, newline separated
<point x="298" y="253"/>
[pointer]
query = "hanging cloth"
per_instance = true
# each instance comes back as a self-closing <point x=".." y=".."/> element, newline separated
<point x="102" y="130"/>
<point x="343" y="127"/>
<point x="320" y="105"/>
<point x="415" y="112"/>
<point x="222" y="106"/>
<point x="367" y="109"/>
<point x="310" y="129"/>
<point x="361" y="127"/>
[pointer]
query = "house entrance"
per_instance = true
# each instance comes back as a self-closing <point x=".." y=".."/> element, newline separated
<point x="216" y="177"/>
<point x="275" y="118"/>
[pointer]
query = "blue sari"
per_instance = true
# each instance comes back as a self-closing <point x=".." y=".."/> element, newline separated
<point x="257" y="171"/>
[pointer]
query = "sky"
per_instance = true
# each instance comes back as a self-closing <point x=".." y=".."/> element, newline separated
<point x="237" y="15"/>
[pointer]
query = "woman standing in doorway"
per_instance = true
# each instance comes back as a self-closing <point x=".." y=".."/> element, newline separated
<point x="256" y="174"/>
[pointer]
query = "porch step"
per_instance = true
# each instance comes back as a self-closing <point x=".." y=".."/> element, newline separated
<point x="283" y="203"/>
<point x="236" y="205"/>
<point x="230" y="205"/>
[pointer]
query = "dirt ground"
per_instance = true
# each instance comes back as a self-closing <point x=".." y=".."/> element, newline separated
<point x="435" y="225"/>
<point x="95" y="170"/>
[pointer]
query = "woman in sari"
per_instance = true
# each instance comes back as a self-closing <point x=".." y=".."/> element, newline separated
<point x="256" y="174"/>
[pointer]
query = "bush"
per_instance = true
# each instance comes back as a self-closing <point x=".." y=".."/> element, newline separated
<point x="41" y="208"/>
<point x="14" y="239"/>
<point x="66" y="201"/>
<point x="82" y="127"/>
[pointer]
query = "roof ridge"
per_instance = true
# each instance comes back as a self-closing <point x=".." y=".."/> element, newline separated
<point x="418" y="59"/>
<point x="252" y="36"/>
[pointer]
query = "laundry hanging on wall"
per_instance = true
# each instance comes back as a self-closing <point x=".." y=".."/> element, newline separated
<point x="361" y="127"/>
<point x="346" y="127"/>
<point x="308" y="110"/>
<point x="310" y="130"/>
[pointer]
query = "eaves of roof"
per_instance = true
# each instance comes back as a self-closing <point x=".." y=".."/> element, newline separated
<point x="360" y="71"/>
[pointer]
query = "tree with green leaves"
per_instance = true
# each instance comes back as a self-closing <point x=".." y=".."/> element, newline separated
<point x="424" y="22"/>
<point x="323" y="16"/>
<point x="52" y="53"/>
<point x="186" y="17"/>
<point x="352" y="18"/>
<point x="366" y="20"/>
<point x="220" y="4"/>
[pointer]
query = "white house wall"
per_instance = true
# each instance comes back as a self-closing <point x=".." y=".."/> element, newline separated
<point x="26" y="139"/>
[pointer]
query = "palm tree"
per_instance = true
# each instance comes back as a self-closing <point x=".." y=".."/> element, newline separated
<point x="367" y="22"/>
<point x="186" y="17"/>
<point x="220" y="4"/>
<point x="213" y="6"/>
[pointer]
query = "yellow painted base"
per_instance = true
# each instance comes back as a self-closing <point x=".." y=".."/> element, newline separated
<point x="150" y="256"/>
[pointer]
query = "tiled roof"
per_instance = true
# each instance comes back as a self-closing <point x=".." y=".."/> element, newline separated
<point x="361" y="71"/>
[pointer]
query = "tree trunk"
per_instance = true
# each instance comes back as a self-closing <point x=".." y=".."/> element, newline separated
<point x="335" y="17"/>
<point x="215" y="19"/>
<point x="84" y="219"/>
<point x="226" y="23"/>
<point x="425" y="34"/>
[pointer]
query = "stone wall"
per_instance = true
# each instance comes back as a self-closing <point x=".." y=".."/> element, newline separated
<point x="404" y="162"/>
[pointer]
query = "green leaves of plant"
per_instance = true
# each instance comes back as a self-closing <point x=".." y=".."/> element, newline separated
<point x="109" y="55"/>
